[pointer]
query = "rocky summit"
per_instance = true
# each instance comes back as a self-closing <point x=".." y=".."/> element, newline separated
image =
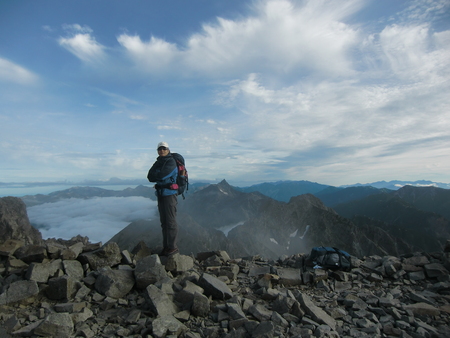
<point x="74" y="288"/>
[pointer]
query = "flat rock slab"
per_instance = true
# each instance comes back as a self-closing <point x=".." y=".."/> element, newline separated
<point x="214" y="287"/>
<point x="316" y="313"/>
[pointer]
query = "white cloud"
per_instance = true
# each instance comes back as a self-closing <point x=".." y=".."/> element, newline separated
<point x="77" y="29"/>
<point x="425" y="10"/>
<point x="155" y="55"/>
<point x="82" y="44"/>
<point x="97" y="218"/>
<point x="281" y="37"/>
<point x="415" y="53"/>
<point x="13" y="73"/>
<point x="167" y="127"/>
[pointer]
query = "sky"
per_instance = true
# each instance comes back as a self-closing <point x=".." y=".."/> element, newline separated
<point x="335" y="92"/>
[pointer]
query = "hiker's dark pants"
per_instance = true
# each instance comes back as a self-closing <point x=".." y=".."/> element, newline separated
<point x="167" y="206"/>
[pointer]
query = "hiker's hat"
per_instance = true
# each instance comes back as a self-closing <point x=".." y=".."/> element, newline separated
<point x="162" y="144"/>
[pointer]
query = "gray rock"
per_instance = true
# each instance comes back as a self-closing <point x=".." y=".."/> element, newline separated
<point x="416" y="275"/>
<point x="375" y="277"/>
<point x="114" y="283"/>
<point x="235" y="311"/>
<point x="141" y="250"/>
<point x="200" y="305"/>
<point x="230" y="271"/>
<point x="290" y="277"/>
<point x="61" y="288"/>
<point x="283" y="304"/>
<point x="73" y="269"/>
<point x="10" y="246"/>
<point x="38" y="272"/>
<point x="15" y="266"/>
<point x="31" y="253"/>
<point x="260" y="312"/>
<point x="77" y="249"/>
<point x="354" y="302"/>
<point x="149" y="270"/>
<point x="167" y="325"/>
<point x="186" y="295"/>
<point x="279" y="320"/>
<point x="19" y="291"/>
<point x="422" y="309"/>
<point x="435" y="270"/>
<point x="159" y="302"/>
<point x="14" y="222"/>
<point x="70" y="307"/>
<point x="420" y="298"/>
<point x="214" y="287"/>
<point x="416" y="260"/>
<point x="107" y="256"/>
<point x="126" y="257"/>
<point x="265" y="329"/>
<point x="56" y="325"/>
<point x="257" y="270"/>
<point x="82" y="316"/>
<point x="316" y="313"/>
<point x="179" y="263"/>
<point x="26" y="331"/>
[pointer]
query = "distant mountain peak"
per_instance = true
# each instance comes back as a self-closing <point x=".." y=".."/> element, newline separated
<point x="224" y="183"/>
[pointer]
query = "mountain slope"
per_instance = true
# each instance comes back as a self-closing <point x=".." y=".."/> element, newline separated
<point x="332" y="196"/>
<point x="424" y="230"/>
<point x="220" y="205"/>
<point x="262" y="226"/>
<point x="427" y="198"/>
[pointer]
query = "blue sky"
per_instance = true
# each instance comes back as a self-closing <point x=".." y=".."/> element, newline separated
<point x="335" y="92"/>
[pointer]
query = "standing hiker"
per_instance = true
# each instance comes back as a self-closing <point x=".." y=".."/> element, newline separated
<point x="164" y="172"/>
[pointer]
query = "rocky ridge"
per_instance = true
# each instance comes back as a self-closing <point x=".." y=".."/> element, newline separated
<point x="75" y="288"/>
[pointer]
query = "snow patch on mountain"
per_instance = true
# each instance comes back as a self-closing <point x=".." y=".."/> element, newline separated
<point x="306" y="230"/>
<point x="223" y="192"/>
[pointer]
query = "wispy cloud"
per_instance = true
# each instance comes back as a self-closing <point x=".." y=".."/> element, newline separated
<point x="82" y="44"/>
<point x="14" y="73"/>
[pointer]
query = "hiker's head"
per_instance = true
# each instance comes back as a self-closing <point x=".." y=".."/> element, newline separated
<point x="163" y="149"/>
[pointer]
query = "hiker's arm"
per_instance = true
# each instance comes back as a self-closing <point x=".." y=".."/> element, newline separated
<point x="159" y="173"/>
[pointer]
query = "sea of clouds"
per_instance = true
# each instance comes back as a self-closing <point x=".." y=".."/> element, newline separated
<point x="98" y="218"/>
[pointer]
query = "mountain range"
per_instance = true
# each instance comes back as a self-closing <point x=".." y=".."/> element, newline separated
<point x="284" y="190"/>
<point x="362" y="220"/>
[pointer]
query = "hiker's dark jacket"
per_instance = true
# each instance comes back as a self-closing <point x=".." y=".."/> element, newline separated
<point x="164" y="172"/>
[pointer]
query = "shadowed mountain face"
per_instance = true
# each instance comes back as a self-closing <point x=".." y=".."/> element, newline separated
<point x="261" y="226"/>
<point x="416" y="215"/>
<point x="431" y="199"/>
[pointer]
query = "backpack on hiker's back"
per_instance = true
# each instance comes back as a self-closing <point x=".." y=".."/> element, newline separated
<point x="182" y="176"/>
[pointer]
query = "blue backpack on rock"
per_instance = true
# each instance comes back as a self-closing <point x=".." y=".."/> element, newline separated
<point x="330" y="258"/>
